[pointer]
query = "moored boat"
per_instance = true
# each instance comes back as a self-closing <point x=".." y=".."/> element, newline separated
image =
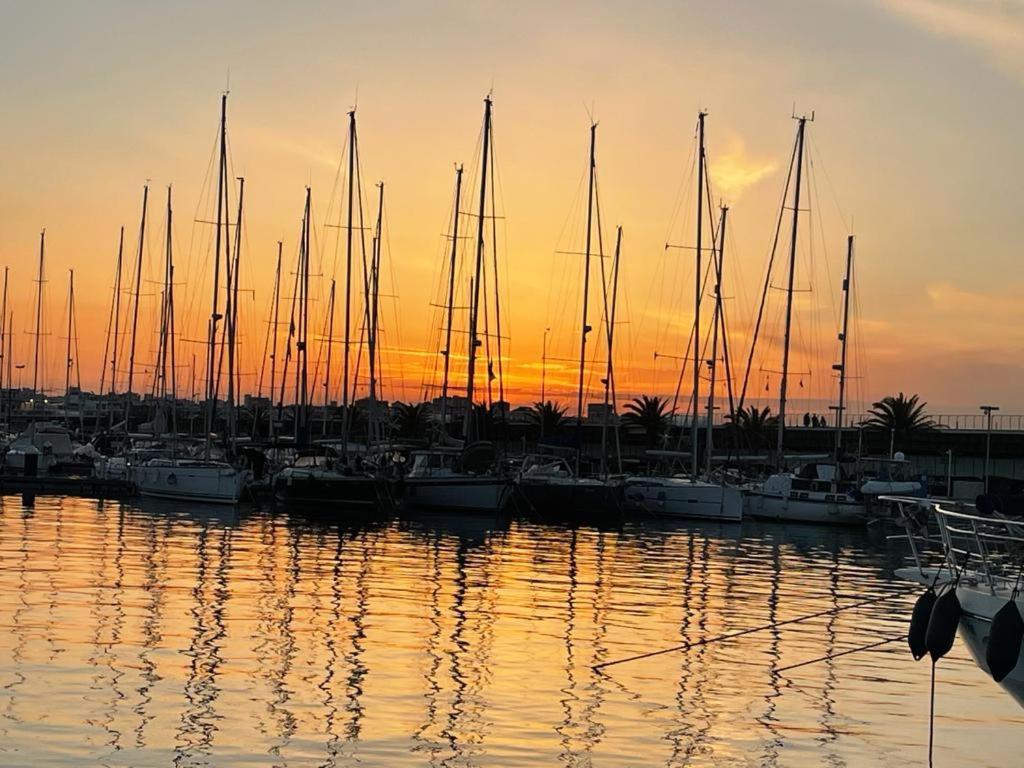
<point x="190" y="480"/>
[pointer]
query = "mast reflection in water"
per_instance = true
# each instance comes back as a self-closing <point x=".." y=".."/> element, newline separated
<point x="153" y="635"/>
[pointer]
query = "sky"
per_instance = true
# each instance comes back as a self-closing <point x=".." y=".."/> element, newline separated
<point x="914" y="146"/>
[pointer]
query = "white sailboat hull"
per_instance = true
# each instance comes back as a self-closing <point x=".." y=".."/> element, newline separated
<point x="806" y="507"/>
<point x="680" y="498"/>
<point x="479" y="494"/>
<point x="213" y="483"/>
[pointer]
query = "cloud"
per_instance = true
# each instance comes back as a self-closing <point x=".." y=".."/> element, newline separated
<point x="993" y="27"/>
<point x="996" y="307"/>
<point x="735" y="171"/>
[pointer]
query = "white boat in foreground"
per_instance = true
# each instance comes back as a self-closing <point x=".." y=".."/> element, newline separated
<point x="190" y="480"/>
<point x="683" y="497"/>
<point x="947" y="538"/>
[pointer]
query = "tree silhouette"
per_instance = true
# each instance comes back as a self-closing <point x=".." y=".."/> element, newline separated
<point x="649" y="414"/>
<point x="903" y="416"/>
<point x="753" y="426"/>
<point x="548" y="417"/>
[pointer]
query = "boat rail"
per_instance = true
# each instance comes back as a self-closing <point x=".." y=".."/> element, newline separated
<point x="986" y="550"/>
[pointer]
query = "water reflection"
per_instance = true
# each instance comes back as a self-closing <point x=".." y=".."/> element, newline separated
<point x="158" y="634"/>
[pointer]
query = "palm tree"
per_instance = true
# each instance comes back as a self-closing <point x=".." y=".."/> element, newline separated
<point x="411" y="421"/>
<point x="902" y="416"/>
<point x="753" y="426"/>
<point x="649" y="414"/>
<point x="548" y="417"/>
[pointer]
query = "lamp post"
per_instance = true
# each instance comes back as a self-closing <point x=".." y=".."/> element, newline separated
<point x="987" y="410"/>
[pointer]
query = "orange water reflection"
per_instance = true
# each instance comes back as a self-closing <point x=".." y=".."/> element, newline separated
<point x="150" y="635"/>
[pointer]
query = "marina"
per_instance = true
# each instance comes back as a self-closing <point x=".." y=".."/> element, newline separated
<point x="482" y="385"/>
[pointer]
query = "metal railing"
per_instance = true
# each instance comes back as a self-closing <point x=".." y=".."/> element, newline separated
<point x="986" y="551"/>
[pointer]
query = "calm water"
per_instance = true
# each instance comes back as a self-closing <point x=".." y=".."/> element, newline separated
<point x="152" y="635"/>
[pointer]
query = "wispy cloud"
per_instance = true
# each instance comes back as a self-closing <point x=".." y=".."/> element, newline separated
<point x="993" y="27"/>
<point x="735" y="170"/>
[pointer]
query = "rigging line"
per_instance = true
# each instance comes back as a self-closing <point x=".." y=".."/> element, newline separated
<point x="768" y="275"/>
<point x="838" y="654"/>
<point x="760" y="628"/>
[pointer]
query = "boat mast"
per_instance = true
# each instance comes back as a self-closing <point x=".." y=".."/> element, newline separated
<point x="39" y="312"/>
<point x="68" y="360"/>
<point x="330" y="346"/>
<point x="841" y="366"/>
<point x="10" y="367"/>
<point x="345" y="421"/>
<point x="800" y="131"/>
<point x="212" y="378"/>
<point x="371" y="335"/>
<point x="115" y="322"/>
<point x="135" y="308"/>
<point x="447" y="351"/>
<point x="709" y="437"/>
<point x="168" y="330"/>
<point x="301" y="342"/>
<point x="231" y="309"/>
<point x="4" y="330"/>
<point x="585" y="329"/>
<point x="273" y="351"/>
<point x="694" y="429"/>
<point x="609" y="380"/>
<point x="474" y="309"/>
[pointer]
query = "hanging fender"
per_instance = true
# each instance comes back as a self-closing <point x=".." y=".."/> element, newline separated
<point x="1004" y="641"/>
<point x="919" y="624"/>
<point x="942" y="625"/>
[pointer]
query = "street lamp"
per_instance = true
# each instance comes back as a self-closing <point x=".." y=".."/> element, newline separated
<point x="987" y="409"/>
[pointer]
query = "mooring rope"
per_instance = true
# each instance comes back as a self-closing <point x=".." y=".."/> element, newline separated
<point x="752" y="630"/>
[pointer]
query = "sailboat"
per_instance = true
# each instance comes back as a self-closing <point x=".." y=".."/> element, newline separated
<point x="339" y="477"/>
<point x="668" y="494"/>
<point x="455" y="478"/>
<point x="549" y="485"/>
<point x="201" y="478"/>
<point x="818" y="492"/>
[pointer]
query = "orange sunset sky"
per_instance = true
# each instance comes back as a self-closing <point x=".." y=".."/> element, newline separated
<point x="915" y="145"/>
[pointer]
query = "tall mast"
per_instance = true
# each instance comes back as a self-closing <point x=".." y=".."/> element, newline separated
<point x="39" y="312"/>
<point x="68" y="359"/>
<point x="273" y="351"/>
<point x="371" y="300"/>
<point x="301" y="343"/>
<point x="135" y="308"/>
<point x="215" y="316"/>
<point x="168" y="330"/>
<point x="345" y="421"/>
<point x="231" y="326"/>
<point x="719" y="266"/>
<point x="330" y="347"/>
<point x="584" y="328"/>
<point x="474" y="310"/>
<point x="841" y="367"/>
<point x="4" y="331"/>
<point x="609" y="380"/>
<point x="447" y="352"/>
<point x="10" y="366"/>
<point x="694" y="429"/>
<point x="801" y="127"/>
<point x="116" y="321"/>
